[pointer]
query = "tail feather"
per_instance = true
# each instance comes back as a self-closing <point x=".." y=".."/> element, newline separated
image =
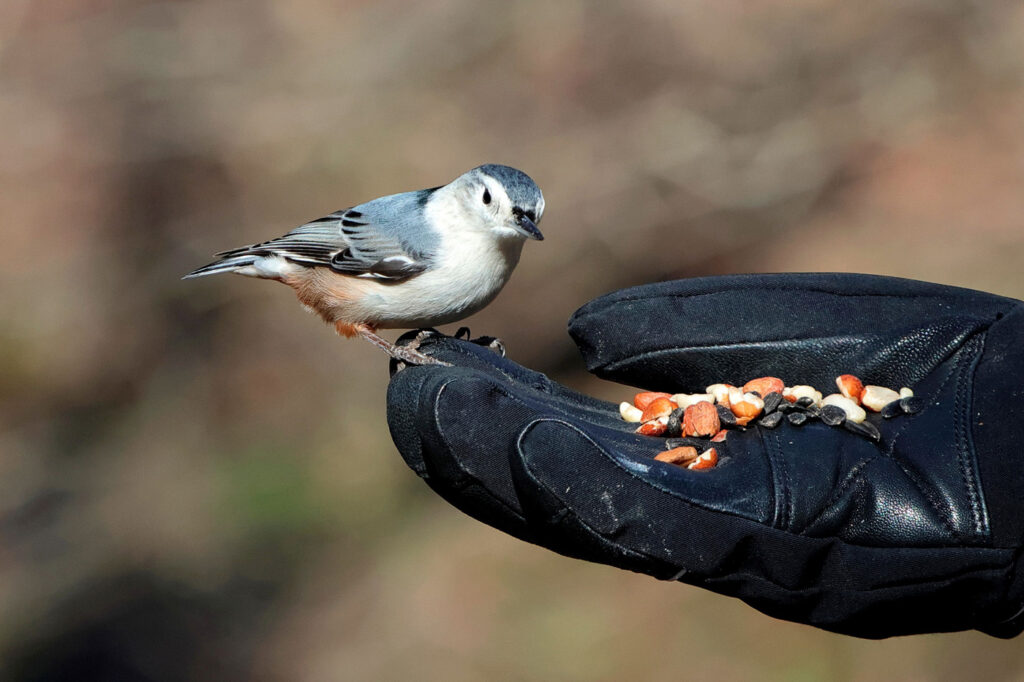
<point x="228" y="264"/>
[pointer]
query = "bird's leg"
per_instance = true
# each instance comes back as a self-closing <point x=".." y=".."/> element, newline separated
<point x="407" y="354"/>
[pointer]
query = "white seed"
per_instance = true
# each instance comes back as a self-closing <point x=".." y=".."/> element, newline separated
<point x="720" y="392"/>
<point x="684" y="400"/>
<point x="753" y="400"/>
<point x="876" y="397"/>
<point x="906" y="393"/>
<point x="630" y="412"/>
<point x="854" y="412"/>
<point x="802" y="391"/>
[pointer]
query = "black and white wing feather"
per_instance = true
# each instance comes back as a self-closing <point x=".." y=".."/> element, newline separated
<point x="382" y="239"/>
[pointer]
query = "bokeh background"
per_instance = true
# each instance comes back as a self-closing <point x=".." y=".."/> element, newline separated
<point x="196" y="480"/>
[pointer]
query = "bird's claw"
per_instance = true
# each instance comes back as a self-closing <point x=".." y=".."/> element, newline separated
<point x="491" y="342"/>
<point x="407" y="347"/>
<point x="406" y="351"/>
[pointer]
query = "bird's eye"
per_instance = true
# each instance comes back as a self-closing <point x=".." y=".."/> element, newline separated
<point x="487" y="196"/>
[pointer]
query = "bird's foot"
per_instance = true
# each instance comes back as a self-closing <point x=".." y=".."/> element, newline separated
<point x="407" y="354"/>
<point x="411" y="356"/>
<point x="491" y="342"/>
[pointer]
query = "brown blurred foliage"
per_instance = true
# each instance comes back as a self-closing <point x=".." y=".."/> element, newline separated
<point x="197" y="481"/>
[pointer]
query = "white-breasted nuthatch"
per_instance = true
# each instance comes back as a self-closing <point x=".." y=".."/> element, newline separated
<point x="416" y="259"/>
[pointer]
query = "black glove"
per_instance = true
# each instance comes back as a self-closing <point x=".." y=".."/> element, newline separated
<point x="918" y="533"/>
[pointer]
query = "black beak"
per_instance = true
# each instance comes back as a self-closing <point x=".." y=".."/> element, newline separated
<point x="526" y="225"/>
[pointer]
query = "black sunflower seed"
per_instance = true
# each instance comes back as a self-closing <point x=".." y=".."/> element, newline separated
<point x="893" y="409"/>
<point x="772" y="402"/>
<point x="866" y="429"/>
<point x="674" y="428"/>
<point x="833" y="415"/>
<point x="770" y="421"/>
<point x="725" y="417"/>
<point x="798" y="418"/>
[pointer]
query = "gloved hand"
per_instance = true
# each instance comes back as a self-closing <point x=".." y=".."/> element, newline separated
<point x="921" y="532"/>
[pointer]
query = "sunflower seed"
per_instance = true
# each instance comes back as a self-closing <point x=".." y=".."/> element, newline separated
<point x="893" y="409"/>
<point x="865" y="428"/>
<point x="725" y="417"/>
<point x="798" y="418"/>
<point x="833" y="415"/>
<point x="674" y="426"/>
<point x="772" y="402"/>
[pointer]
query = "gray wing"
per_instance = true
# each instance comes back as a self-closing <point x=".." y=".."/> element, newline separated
<point x="381" y="239"/>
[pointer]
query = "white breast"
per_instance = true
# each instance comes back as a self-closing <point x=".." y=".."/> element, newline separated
<point x="471" y="267"/>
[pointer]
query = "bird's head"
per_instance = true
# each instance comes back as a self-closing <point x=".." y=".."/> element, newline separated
<point x="503" y="199"/>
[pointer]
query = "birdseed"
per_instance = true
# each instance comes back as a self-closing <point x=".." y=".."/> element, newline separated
<point x="688" y="426"/>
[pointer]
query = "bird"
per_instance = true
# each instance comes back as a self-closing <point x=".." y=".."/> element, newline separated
<point x="412" y="260"/>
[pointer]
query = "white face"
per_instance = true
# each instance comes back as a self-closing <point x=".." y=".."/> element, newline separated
<point x="491" y="203"/>
<point x="486" y="199"/>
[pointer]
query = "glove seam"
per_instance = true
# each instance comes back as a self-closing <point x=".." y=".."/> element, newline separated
<point x="782" y="502"/>
<point x="852" y="476"/>
<point x="580" y="314"/>
<point x="965" y="444"/>
<point x="613" y="364"/>
<point x="929" y="497"/>
<point x="926" y="490"/>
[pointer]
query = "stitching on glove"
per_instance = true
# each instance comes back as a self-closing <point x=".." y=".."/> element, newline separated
<point x="965" y="444"/>
<point x="852" y="476"/>
<point x="930" y="497"/>
<point x="769" y="287"/>
<point x="614" y="364"/>
<point x="919" y="482"/>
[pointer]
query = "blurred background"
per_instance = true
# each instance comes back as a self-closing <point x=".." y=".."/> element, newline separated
<point x="196" y="478"/>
